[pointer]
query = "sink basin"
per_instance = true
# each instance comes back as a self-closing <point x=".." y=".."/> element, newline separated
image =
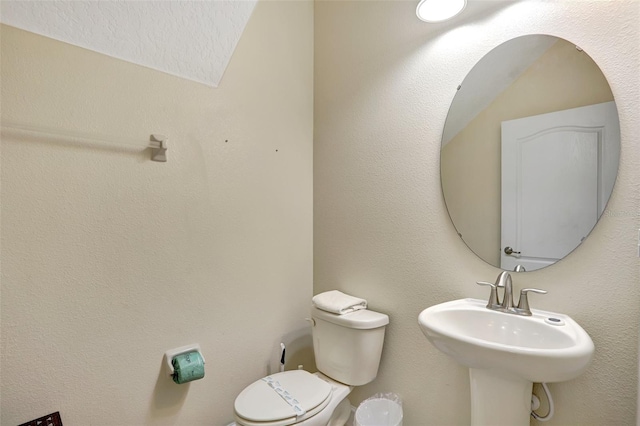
<point x="545" y="347"/>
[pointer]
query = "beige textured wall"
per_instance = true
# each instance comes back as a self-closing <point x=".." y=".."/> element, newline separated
<point x="562" y="78"/>
<point x="109" y="259"/>
<point x="383" y="85"/>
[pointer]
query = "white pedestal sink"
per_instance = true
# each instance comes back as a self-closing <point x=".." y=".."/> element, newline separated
<point x="506" y="354"/>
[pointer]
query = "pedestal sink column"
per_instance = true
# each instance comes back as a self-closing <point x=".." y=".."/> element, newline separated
<point x="499" y="400"/>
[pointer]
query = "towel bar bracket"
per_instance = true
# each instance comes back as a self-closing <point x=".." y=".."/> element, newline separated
<point x="158" y="145"/>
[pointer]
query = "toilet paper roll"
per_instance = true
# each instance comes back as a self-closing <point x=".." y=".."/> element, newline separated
<point x="187" y="367"/>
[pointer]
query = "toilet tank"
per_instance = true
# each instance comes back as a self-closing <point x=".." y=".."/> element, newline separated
<point x="348" y="347"/>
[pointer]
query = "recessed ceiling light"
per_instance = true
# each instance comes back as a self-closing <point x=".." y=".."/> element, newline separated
<point x="439" y="10"/>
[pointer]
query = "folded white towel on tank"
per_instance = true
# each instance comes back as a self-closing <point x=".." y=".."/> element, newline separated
<point x="337" y="302"/>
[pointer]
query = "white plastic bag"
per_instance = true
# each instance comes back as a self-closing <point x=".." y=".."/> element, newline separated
<point x="382" y="409"/>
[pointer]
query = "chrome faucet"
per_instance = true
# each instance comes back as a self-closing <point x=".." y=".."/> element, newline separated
<point x="504" y="280"/>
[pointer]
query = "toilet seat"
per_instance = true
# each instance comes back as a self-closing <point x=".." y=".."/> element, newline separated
<point x="259" y="404"/>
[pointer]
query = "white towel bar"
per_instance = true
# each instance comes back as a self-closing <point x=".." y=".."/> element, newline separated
<point x="157" y="143"/>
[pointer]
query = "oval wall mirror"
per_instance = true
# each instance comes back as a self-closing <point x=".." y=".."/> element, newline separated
<point x="530" y="152"/>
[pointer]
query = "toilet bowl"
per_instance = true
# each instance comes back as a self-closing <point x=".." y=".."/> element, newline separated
<point x="347" y="349"/>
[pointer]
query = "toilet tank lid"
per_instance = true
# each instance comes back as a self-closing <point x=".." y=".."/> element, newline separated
<point x="362" y="319"/>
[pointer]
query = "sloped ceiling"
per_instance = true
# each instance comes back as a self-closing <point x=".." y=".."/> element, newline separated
<point x="189" y="39"/>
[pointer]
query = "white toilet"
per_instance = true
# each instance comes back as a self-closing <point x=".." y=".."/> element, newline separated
<point x="347" y="350"/>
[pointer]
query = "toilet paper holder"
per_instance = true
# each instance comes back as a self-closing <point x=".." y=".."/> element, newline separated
<point x="172" y="353"/>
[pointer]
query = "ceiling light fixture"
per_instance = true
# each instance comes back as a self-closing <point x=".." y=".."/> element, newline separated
<point x="439" y="10"/>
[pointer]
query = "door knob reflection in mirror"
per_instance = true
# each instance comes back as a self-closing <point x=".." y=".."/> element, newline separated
<point x="509" y="250"/>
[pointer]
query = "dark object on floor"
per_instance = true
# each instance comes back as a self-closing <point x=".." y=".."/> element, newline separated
<point x="52" y="419"/>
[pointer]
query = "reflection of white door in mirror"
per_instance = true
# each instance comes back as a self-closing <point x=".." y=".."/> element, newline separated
<point x="557" y="171"/>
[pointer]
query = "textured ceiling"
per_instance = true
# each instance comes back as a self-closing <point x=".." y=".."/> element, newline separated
<point x="190" y="39"/>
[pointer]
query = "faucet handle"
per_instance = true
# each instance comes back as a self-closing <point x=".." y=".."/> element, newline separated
<point x="493" y="296"/>
<point x="523" y="303"/>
